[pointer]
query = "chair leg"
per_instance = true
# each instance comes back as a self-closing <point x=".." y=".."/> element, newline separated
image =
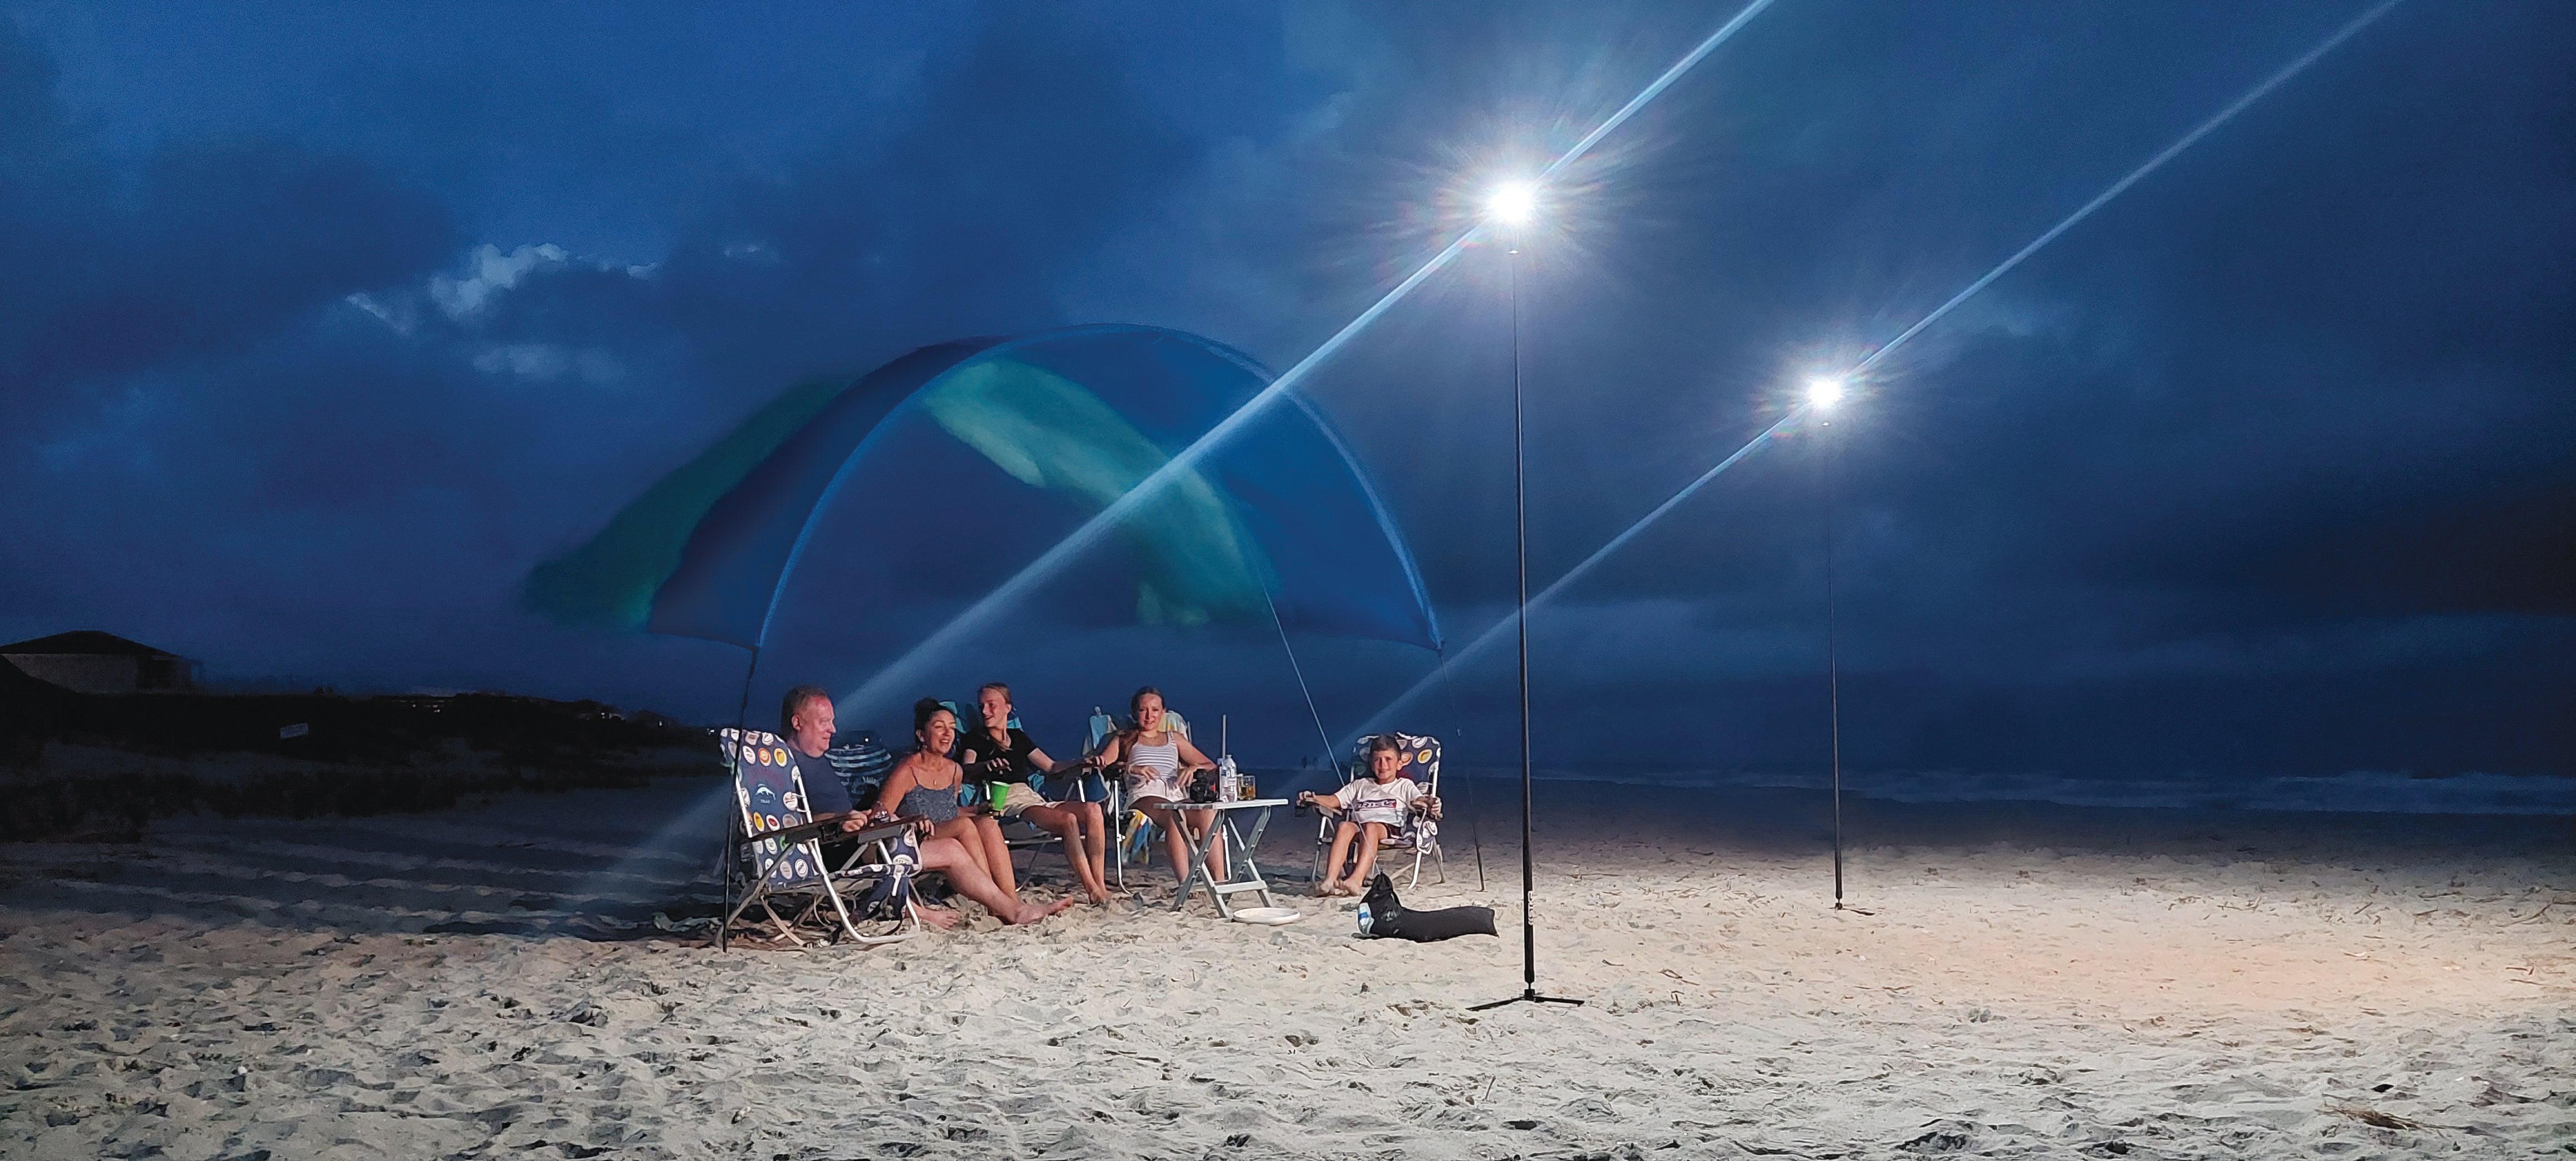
<point x="833" y="892"/>
<point x="1114" y="814"/>
<point x="907" y="920"/>
<point x="786" y="930"/>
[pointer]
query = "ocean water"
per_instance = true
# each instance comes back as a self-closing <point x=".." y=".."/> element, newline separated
<point x="2361" y="791"/>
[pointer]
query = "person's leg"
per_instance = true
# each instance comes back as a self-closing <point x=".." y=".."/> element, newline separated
<point x="1095" y="823"/>
<point x="1330" y="883"/>
<point x="997" y="855"/>
<point x="1371" y="834"/>
<point x="1178" y="842"/>
<point x="961" y="830"/>
<point x="1217" y="868"/>
<point x="1065" y="822"/>
<point x="1175" y="842"/>
<point x="949" y="857"/>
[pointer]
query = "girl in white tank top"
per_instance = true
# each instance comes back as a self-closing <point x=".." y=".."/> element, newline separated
<point x="1158" y="776"/>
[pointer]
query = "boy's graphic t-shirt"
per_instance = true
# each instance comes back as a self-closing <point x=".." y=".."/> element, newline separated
<point x="1370" y="800"/>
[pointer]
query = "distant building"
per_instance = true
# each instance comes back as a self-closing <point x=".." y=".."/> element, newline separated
<point x="94" y="662"/>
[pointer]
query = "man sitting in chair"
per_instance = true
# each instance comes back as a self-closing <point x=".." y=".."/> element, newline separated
<point x="806" y="719"/>
<point x="1371" y="809"/>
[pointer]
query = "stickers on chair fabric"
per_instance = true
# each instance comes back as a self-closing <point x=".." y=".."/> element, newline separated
<point x="772" y="798"/>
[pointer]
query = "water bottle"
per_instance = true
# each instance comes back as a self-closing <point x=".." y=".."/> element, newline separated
<point x="1229" y="781"/>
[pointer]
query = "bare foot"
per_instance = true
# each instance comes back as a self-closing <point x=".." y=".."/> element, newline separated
<point x="1031" y="912"/>
<point x="1325" y="890"/>
<point x="939" y="917"/>
<point x="1100" y="898"/>
<point x="1346" y="889"/>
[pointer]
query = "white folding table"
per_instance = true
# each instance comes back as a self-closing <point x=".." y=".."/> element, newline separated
<point x="1221" y="821"/>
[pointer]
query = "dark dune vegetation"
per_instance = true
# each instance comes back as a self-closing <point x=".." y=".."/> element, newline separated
<point x="84" y="767"/>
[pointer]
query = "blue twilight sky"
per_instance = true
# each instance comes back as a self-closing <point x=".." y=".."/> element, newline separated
<point x="326" y="322"/>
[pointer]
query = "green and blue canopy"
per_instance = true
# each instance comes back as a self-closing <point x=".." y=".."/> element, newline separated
<point x="1042" y="431"/>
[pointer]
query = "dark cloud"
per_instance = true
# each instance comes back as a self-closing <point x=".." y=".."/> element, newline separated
<point x="194" y="250"/>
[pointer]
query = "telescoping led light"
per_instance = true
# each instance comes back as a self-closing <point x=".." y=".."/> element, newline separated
<point x="1513" y="203"/>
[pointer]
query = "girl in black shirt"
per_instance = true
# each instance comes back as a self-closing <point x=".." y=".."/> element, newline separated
<point x="995" y="752"/>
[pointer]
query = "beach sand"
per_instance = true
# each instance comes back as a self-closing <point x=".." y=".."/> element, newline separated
<point x="2059" y="982"/>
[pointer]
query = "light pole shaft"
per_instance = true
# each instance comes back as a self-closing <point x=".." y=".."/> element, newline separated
<point x="1520" y="548"/>
<point x="1833" y="660"/>
<point x="1520" y="538"/>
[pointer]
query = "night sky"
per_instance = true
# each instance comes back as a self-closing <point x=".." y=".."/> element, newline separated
<point x="326" y="323"/>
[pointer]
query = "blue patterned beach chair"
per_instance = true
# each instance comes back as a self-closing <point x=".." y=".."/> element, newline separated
<point x="774" y="854"/>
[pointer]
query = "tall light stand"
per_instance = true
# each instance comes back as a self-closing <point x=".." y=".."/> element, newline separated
<point x="1833" y="661"/>
<point x="1520" y="532"/>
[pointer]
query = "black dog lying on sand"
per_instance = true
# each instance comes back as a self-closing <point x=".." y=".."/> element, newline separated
<point x="1383" y="916"/>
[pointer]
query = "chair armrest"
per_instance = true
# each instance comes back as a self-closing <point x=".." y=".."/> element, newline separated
<point x="801" y="832"/>
<point x="830" y="828"/>
<point x="882" y="831"/>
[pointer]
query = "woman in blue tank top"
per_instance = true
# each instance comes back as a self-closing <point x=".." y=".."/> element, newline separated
<point x="925" y="784"/>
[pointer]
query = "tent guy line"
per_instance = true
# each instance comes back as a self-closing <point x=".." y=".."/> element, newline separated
<point x="883" y="689"/>
<point x="1497" y="631"/>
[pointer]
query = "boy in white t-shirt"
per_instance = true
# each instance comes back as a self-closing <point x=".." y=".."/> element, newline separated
<point x="1374" y="807"/>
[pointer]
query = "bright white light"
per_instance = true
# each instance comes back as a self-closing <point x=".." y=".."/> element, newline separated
<point x="1824" y="391"/>
<point x="1513" y="203"/>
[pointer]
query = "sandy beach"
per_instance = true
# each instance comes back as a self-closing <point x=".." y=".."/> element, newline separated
<point x="494" y="981"/>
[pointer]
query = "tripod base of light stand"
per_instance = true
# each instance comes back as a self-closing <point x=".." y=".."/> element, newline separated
<point x="1527" y="996"/>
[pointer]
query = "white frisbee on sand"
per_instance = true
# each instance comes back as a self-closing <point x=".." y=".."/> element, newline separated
<point x="1273" y="916"/>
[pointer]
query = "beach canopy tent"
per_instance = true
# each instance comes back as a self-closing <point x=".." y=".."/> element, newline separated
<point x="997" y="448"/>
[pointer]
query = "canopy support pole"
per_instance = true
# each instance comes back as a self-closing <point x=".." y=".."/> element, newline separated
<point x="742" y="710"/>
<point x="725" y="857"/>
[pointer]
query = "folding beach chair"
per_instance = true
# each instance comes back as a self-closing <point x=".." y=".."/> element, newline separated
<point x="863" y="763"/>
<point x="774" y="854"/>
<point x="1420" y="835"/>
<point x="1110" y="788"/>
